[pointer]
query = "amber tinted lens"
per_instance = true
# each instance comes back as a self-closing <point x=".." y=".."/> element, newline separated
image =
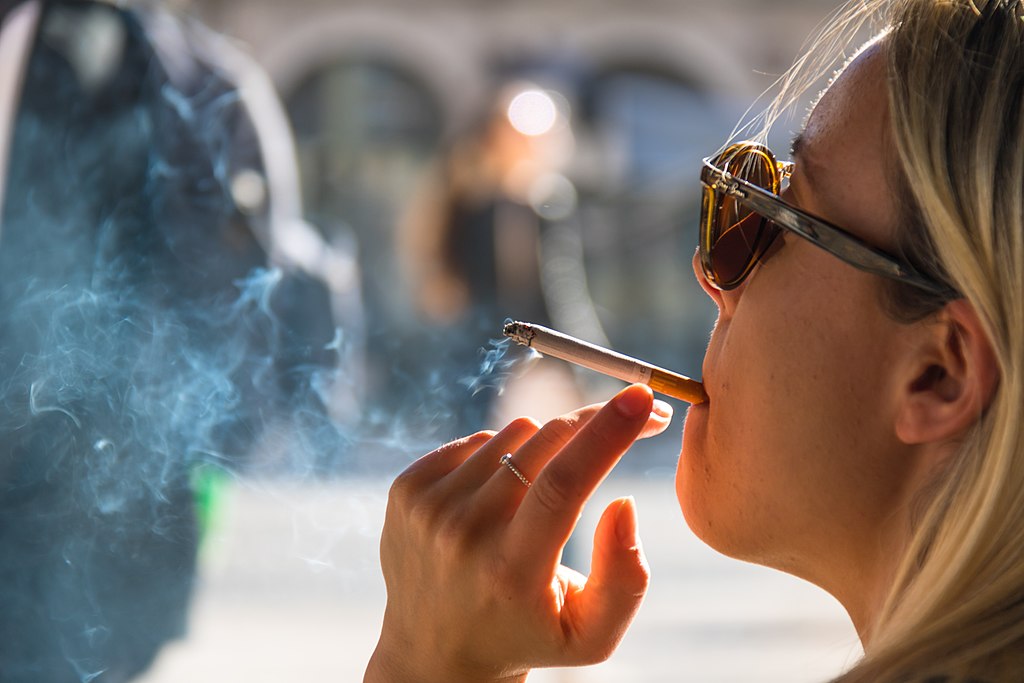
<point x="737" y="236"/>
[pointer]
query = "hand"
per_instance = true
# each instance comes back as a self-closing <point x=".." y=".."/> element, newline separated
<point x="471" y="556"/>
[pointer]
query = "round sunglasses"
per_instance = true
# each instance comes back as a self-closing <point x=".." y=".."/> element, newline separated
<point x="742" y="214"/>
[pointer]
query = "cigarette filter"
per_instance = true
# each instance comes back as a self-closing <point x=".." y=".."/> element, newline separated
<point x="608" y="362"/>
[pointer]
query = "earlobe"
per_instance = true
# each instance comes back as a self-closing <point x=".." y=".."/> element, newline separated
<point x="953" y="377"/>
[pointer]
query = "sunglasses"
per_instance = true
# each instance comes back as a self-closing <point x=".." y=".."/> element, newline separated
<point x="742" y="214"/>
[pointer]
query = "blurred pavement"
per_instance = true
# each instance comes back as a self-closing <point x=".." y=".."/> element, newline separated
<point x="290" y="590"/>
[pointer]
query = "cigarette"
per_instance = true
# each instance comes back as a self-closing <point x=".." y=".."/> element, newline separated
<point x="608" y="362"/>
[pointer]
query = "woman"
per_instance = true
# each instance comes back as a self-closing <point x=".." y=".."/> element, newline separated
<point x="865" y="384"/>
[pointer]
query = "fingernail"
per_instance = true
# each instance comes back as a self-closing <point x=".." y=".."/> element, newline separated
<point x="634" y="401"/>
<point x="661" y="409"/>
<point x="625" y="523"/>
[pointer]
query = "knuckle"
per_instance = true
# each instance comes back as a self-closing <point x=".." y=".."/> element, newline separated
<point x="470" y="443"/>
<point x="524" y="424"/>
<point x="555" y="489"/>
<point x="610" y="435"/>
<point x="402" y="488"/>
<point x="479" y="438"/>
<point x="643" y="582"/>
<point x="422" y="507"/>
<point x="557" y="432"/>
<point x="439" y="527"/>
<point x="420" y="514"/>
<point x="606" y="431"/>
<point x="452" y="535"/>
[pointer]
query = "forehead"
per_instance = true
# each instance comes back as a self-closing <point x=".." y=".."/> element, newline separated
<point x="857" y="96"/>
<point x="844" y="149"/>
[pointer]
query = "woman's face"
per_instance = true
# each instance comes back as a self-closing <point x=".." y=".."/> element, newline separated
<point x="793" y="462"/>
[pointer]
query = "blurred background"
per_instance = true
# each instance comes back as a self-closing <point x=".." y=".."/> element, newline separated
<point x="534" y="160"/>
<point x="390" y="181"/>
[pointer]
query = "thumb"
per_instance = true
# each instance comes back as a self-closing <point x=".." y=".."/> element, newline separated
<point x="617" y="584"/>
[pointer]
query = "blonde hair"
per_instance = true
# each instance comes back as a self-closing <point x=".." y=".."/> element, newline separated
<point x="956" y="92"/>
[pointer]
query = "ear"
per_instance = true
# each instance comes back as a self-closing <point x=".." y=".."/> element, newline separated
<point x="953" y="376"/>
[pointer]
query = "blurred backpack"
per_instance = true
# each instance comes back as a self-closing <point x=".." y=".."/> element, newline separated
<point x="149" y="326"/>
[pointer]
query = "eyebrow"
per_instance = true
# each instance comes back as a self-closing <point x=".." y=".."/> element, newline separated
<point x="797" y="145"/>
<point x="797" y="148"/>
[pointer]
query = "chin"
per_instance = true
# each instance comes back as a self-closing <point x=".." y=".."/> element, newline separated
<point x="711" y="508"/>
<point x="693" y="474"/>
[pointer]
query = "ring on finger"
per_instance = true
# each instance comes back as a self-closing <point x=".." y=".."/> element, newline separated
<point x="506" y="460"/>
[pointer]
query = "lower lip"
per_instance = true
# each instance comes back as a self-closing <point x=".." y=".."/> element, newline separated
<point x="694" y="422"/>
<point x="696" y="409"/>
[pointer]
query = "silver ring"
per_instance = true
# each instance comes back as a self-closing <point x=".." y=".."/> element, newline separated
<point x="506" y="460"/>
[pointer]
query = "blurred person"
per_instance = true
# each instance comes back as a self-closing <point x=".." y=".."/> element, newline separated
<point x="469" y="242"/>
<point x="470" y="245"/>
<point x="863" y="430"/>
<point x="148" y="325"/>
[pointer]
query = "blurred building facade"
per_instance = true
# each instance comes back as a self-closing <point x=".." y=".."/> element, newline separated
<point x="382" y="95"/>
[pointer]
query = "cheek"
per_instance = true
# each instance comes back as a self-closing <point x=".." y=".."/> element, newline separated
<point x="728" y="478"/>
<point x="694" y="478"/>
<point x="762" y="461"/>
<point x="721" y="439"/>
<point x="692" y="473"/>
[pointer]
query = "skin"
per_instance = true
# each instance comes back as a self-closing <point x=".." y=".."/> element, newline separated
<point x="827" y="416"/>
<point x="812" y="478"/>
<point x="471" y="557"/>
<point x="825" y="421"/>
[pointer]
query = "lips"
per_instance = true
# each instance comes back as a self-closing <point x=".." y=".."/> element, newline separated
<point x="706" y="379"/>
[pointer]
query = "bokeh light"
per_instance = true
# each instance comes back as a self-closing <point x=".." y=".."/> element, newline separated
<point x="532" y="112"/>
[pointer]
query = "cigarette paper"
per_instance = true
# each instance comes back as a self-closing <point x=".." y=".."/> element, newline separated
<point x="608" y="362"/>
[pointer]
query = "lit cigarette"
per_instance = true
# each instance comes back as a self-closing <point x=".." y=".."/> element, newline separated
<point x="552" y="343"/>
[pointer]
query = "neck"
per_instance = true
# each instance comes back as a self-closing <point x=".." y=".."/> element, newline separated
<point x="861" y="581"/>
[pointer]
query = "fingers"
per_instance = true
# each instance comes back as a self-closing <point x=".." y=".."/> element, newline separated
<point x="659" y="420"/>
<point x="552" y="506"/>
<point x="451" y="570"/>
<point x="532" y="455"/>
<point x="500" y="497"/>
<point x="619" y="578"/>
<point x="479" y="466"/>
<point x="549" y="439"/>
<point x="467" y="463"/>
<point x="440" y="461"/>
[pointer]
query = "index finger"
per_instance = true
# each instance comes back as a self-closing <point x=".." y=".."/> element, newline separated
<point x="552" y="506"/>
